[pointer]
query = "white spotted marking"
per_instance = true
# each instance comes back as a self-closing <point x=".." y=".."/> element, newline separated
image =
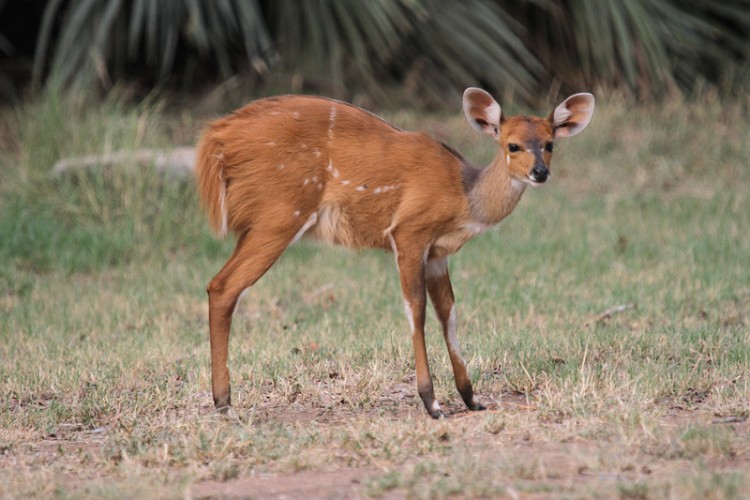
<point x="331" y="120"/>
<point x="378" y="190"/>
<point x="307" y="181"/>
<point x="320" y="186"/>
<point x="315" y="178"/>
<point x="346" y="182"/>
<point x="271" y="143"/>
<point x="360" y="188"/>
<point x="310" y="221"/>
<point x="316" y="152"/>
<point x="280" y="166"/>
<point x="295" y="115"/>
<point x="334" y="171"/>
<point x="296" y="213"/>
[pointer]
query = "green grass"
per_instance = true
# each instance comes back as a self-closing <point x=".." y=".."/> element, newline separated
<point x="104" y="380"/>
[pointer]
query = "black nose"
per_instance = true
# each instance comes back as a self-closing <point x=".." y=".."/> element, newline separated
<point x="540" y="173"/>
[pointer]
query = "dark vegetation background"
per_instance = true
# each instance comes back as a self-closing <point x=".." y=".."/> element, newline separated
<point x="394" y="52"/>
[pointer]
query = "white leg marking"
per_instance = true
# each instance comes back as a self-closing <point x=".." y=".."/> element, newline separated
<point x="312" y="220"/>
<point x="394" y="248"/>
<point x="436" y="407"/>
<point x="409" y="315"/>
<point x="453" y="344"/>
<point x="436" y="268"/>
<point x="407" y="307"/>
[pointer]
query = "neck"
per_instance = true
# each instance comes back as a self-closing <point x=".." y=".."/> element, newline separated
<point x="495" y="194"/>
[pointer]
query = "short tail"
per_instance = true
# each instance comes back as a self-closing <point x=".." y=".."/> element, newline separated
<point x="212" y="183"/>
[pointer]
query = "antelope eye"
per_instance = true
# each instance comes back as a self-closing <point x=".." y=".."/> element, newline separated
<point x="549" y="147"/>
<point x="514" y="148"/>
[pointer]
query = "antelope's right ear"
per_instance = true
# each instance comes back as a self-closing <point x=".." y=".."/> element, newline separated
<point x="572" y="115"/>
<point x="482" y="111"/>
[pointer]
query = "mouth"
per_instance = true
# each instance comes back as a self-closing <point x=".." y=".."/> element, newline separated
<point x="535" y="182"/>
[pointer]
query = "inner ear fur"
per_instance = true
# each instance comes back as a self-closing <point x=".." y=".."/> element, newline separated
<point x="482" y="111"/>
<point x="572" y="115"/>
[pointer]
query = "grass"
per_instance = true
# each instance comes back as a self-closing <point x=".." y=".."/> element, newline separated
<point x="104" y="383"/>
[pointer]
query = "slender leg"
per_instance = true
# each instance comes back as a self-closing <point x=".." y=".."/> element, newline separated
<point x="410" y="260"/>
<point x="254" y="254"/>
<point x="441" y="294"/>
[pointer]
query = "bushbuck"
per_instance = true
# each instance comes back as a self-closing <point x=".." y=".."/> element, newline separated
<point x="290" y="166"/>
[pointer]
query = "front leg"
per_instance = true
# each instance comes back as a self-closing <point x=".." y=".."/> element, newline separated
<point x="410" y="258"/>
<point x="441" y="294"/>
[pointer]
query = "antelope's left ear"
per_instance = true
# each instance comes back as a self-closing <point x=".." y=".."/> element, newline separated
<point x="572" y="115"/>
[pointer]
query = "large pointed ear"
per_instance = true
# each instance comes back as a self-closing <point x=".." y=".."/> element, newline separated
<point x="482" y="111"/>
<point x="572" y="115"/>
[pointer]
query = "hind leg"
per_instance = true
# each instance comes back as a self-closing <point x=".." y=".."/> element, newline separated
<point x="255" y="253"/>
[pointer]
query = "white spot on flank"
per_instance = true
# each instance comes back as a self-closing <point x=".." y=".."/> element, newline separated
<point x="346" y="183"/>
<point x="312" y="220"/>
<point x="271" y="143"/>
<point x="320" y="185"/>
<point x="315" y="178"/>
<point x="307" y="181"/>
<point x="360" y="188"/>
<point x="331" y="119"/>
<point x="295" y="115"/>
<point x="280" y="166"/>
<point x="316" y="152"/>
<point x="334" y="172"/>
<point x="378" y="190"/>
<point x="296" y="213"/>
